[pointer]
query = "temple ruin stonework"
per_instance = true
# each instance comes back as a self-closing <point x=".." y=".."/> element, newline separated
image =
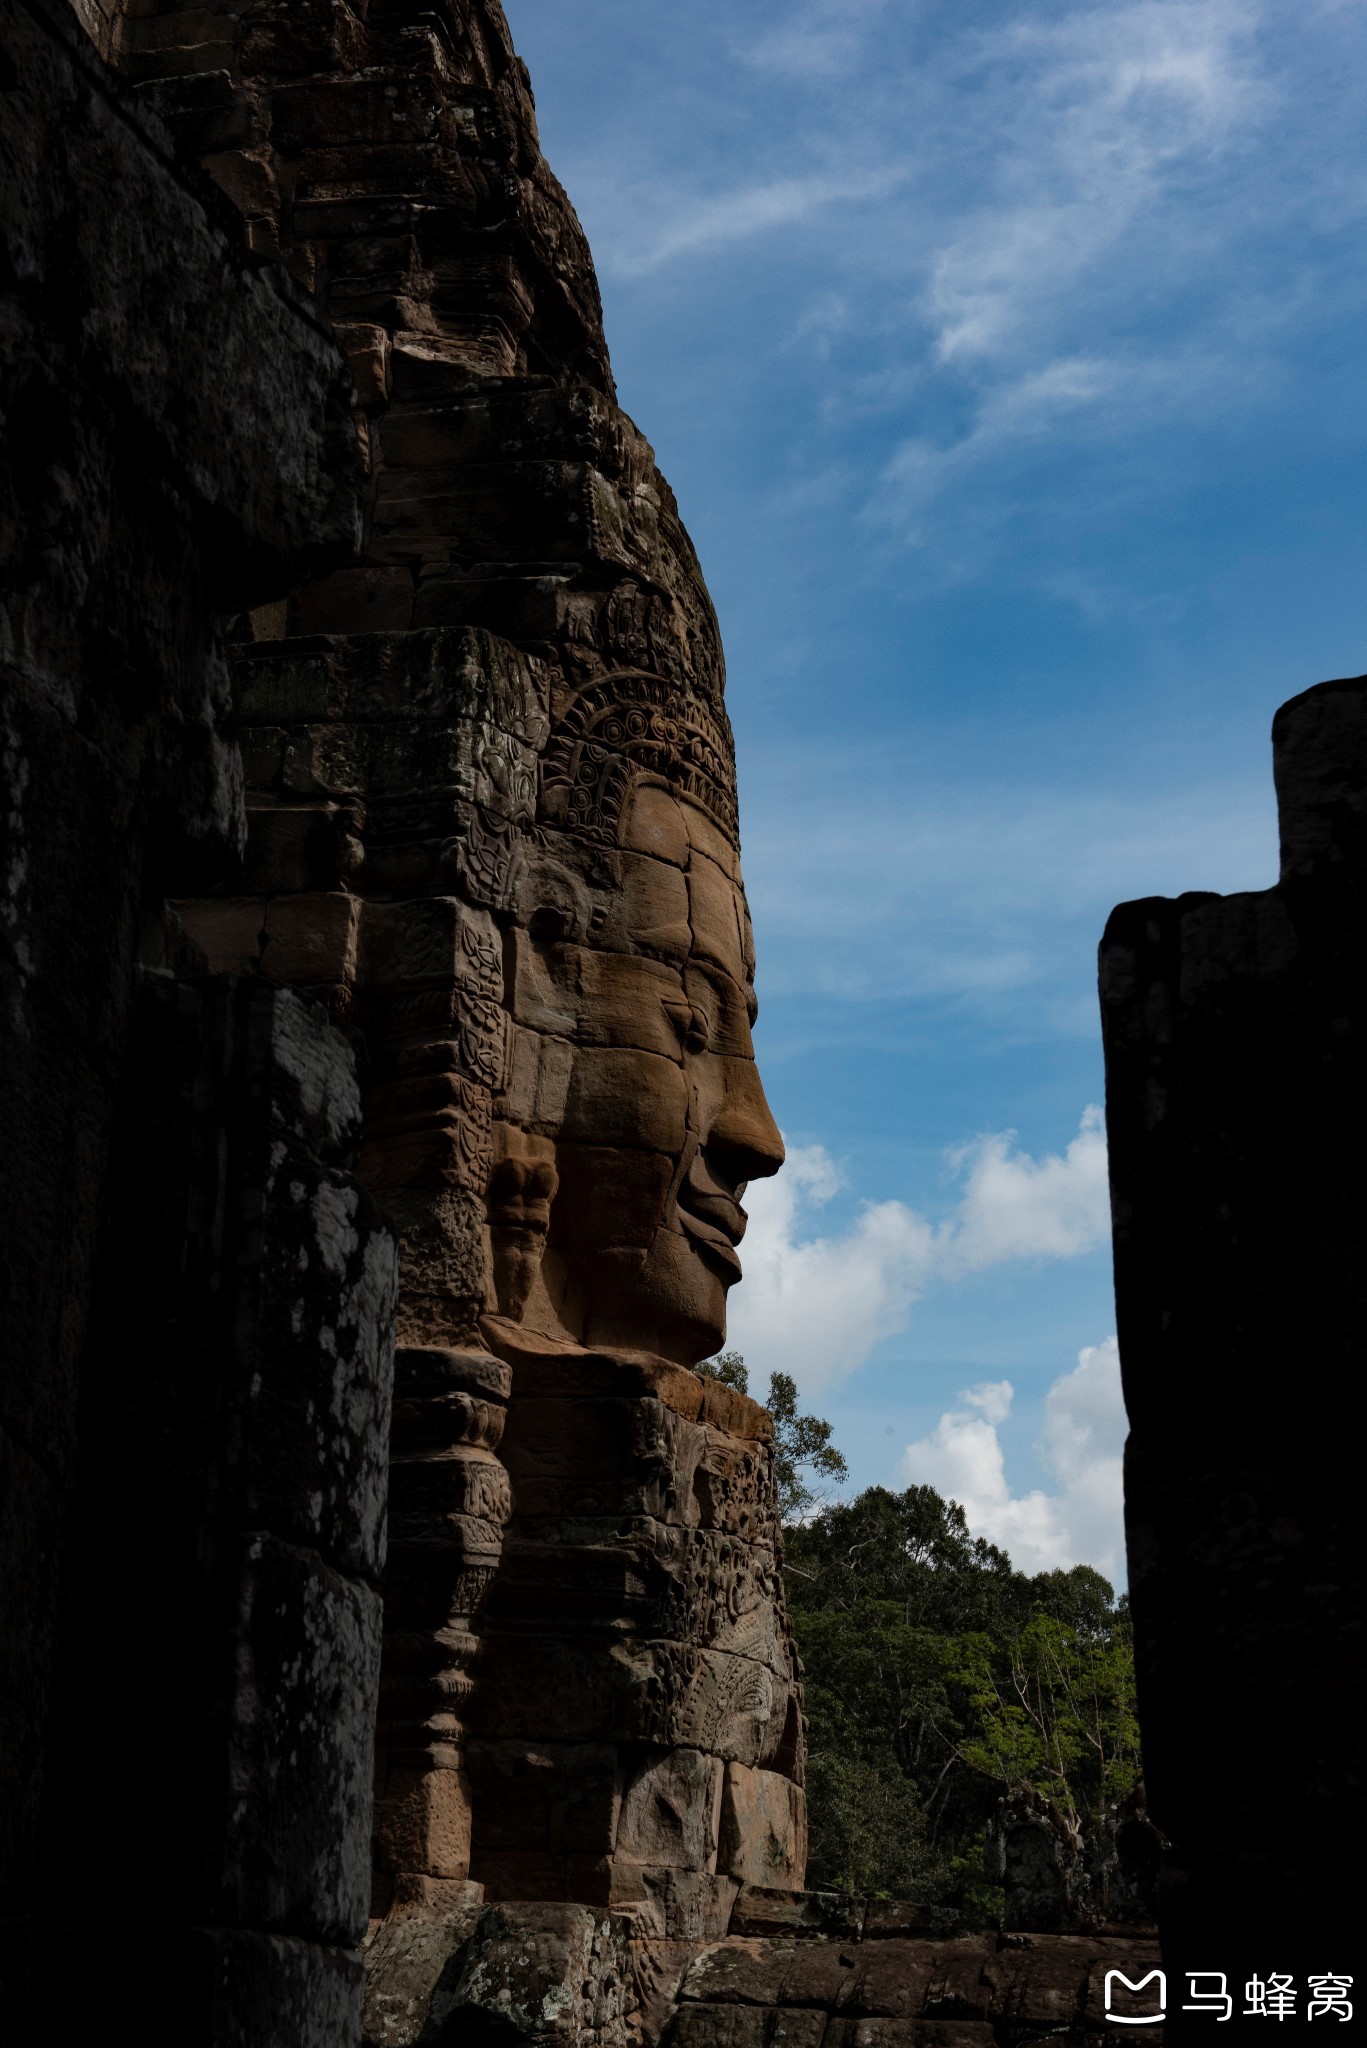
<point x="492" y="826"/>
<point x="1234" y="1080"/>
<point x="394" y="1618"/>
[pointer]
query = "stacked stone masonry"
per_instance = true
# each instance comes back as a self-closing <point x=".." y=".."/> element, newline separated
<point x="441" y="946"/>
<point x="814" y="1970"/>
<point x="198" y="1298"/>
<point x="490" y="786"/>
<point x="1234" y="1075"/>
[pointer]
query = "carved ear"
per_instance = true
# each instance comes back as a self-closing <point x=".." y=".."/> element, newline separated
<point x="551" y="902"/>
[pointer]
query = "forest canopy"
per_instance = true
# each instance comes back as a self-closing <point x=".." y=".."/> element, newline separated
<point x="938" y="1679"/>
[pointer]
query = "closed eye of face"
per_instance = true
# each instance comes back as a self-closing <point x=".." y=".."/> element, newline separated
<point x="692" y="1023"/>
<point x="729" y="1006"/>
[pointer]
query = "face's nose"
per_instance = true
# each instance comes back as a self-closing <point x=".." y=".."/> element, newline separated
<point x="742" y="1141"/>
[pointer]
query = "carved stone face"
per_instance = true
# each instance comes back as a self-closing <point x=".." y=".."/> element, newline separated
<point x="632" y="992"/>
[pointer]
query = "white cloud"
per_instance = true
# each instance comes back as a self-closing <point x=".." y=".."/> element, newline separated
<point x="1015" y="1207"/>
<point x="1045" y="227"/>
<point x="1080" y="1522"/>
<point x="750" y="210"/>
<point x="826" y="40"/>
<point x="1100" y="112"/>
<point x="815" y="1306"/>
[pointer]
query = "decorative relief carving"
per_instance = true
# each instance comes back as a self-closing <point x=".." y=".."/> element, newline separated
<point x="550" y="973"/>
<point x="633" y="725"/>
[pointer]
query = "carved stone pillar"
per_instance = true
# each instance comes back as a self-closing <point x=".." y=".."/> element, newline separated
<point x="449" y="1499"/>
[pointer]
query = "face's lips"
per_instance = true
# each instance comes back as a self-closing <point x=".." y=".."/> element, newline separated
<point x="713" y="1219"/>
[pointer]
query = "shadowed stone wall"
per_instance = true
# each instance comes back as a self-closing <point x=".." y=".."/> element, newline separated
<point x="197" y="1298"/>
<point x="1235" y="1103"/>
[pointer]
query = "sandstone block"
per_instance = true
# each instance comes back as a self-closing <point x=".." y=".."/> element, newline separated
<point x="763" y="1828"/>
<point x="609" y="1195"/>
<point x="727" y="1008"/>
<point x="433" y="941"/>
<point x="422" y="1822"/>
<point x="633" y="1100"/>
<point x="714" y="917"/>
<point x="585" y="1374"/>
<point x="594" y="1688"/>
<point x="367" y="354"/>
<point x="707" y="838"/>
<point x="228" y="930"/>
<point x="735" y="1707"/>
<point x="690" y="1905"/>
<point x="537" y="1080"/>
<point x="457" y="1480"/>
<point x="625" y="999"/>
<point x="670" y="1812"/>
<point x="293" y="847"/>
<point x="406" y="1959"/>
<point x="911" y="2033"/>
<point x="355" y="600"/>
<point x="770" y="1973"/>
<point x="762" y="1910"/>
<point x="301" y="1745"/>
<point x="316" y="1363"/>
<point x="311" y="939"/>
<point x="655" y="822"/>
<point x="563" y="1875"/>
<point x="746" y="2026"/>
<point x="733" y="1488"/>
<point x="896" y="1919"/>
<point x="435" y="677"/>
<point x="561" y="1798"/>
<point x="650" y="913"/>
<point x="544" y="1972"/>
<point x="902" y="1980"/>
<point x="545" y="989"/>
<point x="728" y="1411"/>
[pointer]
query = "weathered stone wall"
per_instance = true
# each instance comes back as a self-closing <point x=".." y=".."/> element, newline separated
<point x="235" y="1429"/>
<point x="493" y="825"/>
<point x="1235" y="1102"/>
<point x="197" y="1299"/>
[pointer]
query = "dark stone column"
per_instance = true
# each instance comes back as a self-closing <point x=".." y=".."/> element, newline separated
<point x="1235" y="1098"/>
<point x="195" y="1300"/>
<point x="230" y="1524"/>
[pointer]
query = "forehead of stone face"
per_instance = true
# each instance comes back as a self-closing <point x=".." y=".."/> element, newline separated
<point x="676" y="842"/>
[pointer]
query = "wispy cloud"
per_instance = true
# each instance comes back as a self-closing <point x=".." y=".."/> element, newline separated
<point x="1098" y="114"/>
<point x="816" y="1305"/>
<point x="1023" y="229"/>
<point x="714" y="223"/>
<point x="868" y="880"/>
<point x="1081" y="1520"/>
<point x="825" y="41"/>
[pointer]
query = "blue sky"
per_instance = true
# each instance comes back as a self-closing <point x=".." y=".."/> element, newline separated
<point x="1006" y="361"/>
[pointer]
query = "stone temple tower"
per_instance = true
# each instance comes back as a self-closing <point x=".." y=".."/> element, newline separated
<point x="492" y="826"/>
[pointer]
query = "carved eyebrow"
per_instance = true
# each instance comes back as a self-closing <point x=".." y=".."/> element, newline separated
<point x="724" y="985"/>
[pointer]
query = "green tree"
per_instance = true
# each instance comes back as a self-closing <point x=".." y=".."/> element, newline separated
<point x="937" y="1678"/>
<point x="729" y="1368"/>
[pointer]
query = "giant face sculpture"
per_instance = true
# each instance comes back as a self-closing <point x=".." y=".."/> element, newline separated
<point x="634" y="1116"/>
